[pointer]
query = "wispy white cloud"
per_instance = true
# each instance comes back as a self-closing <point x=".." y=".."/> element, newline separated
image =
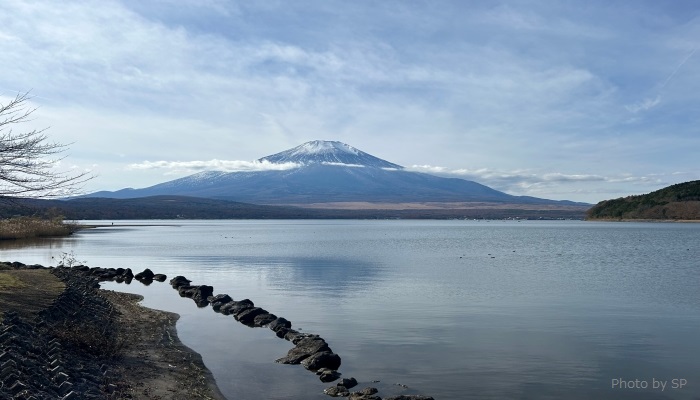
<point x="214" y="165"/>
<point x="339" y="164"/>
<point x="644" y="105"/>
<point x="535" y="183"/>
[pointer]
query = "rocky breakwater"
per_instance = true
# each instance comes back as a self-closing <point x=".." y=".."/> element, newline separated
<point x="310" y="350"/>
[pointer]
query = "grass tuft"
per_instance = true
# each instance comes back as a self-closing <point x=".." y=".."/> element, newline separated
<point x="32" y="227"/>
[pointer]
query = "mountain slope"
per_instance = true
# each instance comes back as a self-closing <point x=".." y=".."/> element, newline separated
<point x="327" y="171"/>
<point x="679" y="202"/>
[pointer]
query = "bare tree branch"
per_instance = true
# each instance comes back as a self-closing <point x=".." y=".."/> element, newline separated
<point x="28" y="160"/>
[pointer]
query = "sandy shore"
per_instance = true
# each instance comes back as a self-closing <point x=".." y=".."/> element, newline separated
<point x="144" y="358"/>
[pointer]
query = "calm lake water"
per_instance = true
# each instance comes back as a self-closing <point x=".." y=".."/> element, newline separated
<point x="453" y="309"/>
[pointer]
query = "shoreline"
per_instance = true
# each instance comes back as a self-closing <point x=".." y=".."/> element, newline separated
<point x="157" y="364"/>
<point x="95" y="343"/>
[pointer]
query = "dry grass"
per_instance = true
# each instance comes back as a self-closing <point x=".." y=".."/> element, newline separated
<point x="32" y="227"/>
<point x="28" y="291"/>
<point x="9" y="282"/>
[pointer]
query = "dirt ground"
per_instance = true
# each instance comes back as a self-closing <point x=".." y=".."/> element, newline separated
<point x="152" y="362"/>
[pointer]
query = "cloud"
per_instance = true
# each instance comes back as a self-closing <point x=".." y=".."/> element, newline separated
<point x="644" y="105"/>
<point x="339" y="164"/>
<point x="213" y="165"/>
<point x="535" y="183"/>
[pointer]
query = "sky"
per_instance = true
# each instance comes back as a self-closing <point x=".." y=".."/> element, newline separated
<point x="571" y="100"/>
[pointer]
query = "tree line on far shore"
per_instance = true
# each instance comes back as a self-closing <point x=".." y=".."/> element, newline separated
<point x="675" y="202"/>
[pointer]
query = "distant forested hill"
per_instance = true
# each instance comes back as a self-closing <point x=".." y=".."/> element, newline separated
<point x="676" y="202"/>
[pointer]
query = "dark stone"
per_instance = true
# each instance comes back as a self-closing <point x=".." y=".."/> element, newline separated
<point x="219" y="300"/>
<point x="281" y="332"/>
<point x="336" y="391"/>
<point x="160" y="277"/>
<point x="235" y="307"/>
<point x="238" y="306"/>
<point x="128" y="274"/>
<point x="291" y="335"/>
<point x="365" y="394"/>
<point x="179" y="281"/>
<point x="202" y="293"/>
<point x="146" y="282"/>
<point x="280" y="323"/>
<point x="146" y="274"/>
<point x="368" y="391"/>
<point x="295" y="336"/>
<point x="263" y="319"/>
<point x="329" y="376"/>
<point x="323" y="359"/>
<point x="358" y="396"/>
<point x="120" y="271"/>
<point x="248" y="315"/>
<point x="197" y="293"/>
<point x="349" y="383"/>
<point x="186" y="290"/>
<point x="304" y="349"/>
<point x="225" y="308"/>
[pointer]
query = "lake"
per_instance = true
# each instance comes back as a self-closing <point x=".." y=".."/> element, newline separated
<point x="453" y="309"/>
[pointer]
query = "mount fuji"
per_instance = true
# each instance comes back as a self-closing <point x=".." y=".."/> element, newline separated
<point x="327" y="172"/>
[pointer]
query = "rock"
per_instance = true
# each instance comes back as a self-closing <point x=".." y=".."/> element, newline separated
<point x="248" y="315"/>
<point x="186" y="290"/>
<point x="359" y="396"/>
<point x="224" y="308"/>
<point x="336" y="391"/>
<point x="365" y="394"/>
<point x="368" y="391"/>
<point x="219" y="300"/>
<point x="238" y="306"/>
<point x="197" y="293"/>
<point x="295" y="337"/>
<point x="235" y="307"/>
<point x="349" y="383"/>
<point x="160" y="277"/>
<point x="202" y="293"/>
<point x="281" y="332"/>
<point x="263" y="319"/>
<point x="178" y="281"/>
<point x="291" y="335"/>
<point x="304" y="349"/>
<point x="329" y="375"/>
<point x="280" y="323"/>
<point x="146" y="274"/>
<point x="322" y="359"/>
<point x="128" y="274"/>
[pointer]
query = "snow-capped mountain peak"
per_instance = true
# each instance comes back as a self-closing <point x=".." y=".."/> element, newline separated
<point x="329" y="153"/>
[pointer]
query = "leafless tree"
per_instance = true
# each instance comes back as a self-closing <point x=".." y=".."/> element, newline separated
<point x="28" y="160"/>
